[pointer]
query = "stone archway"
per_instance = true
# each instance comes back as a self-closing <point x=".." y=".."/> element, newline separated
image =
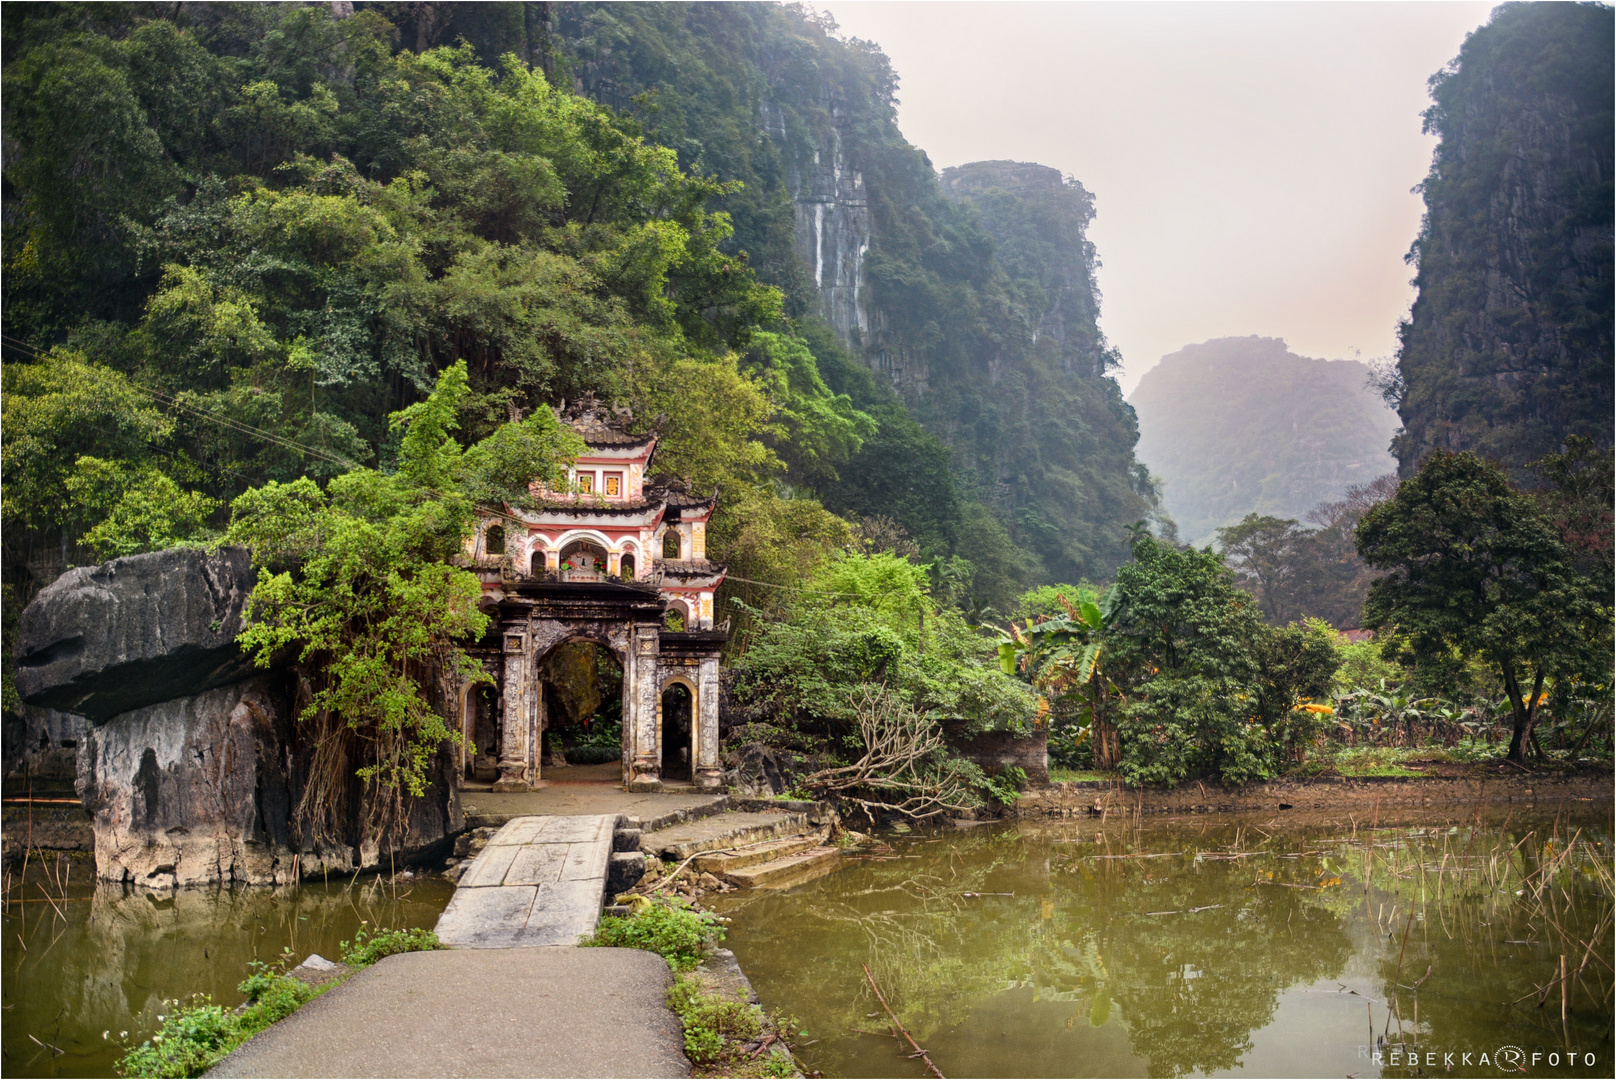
<point x="581" y="689"/>
<point x="678" y="729"/>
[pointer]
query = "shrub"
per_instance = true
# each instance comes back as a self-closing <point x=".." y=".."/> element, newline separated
<point x="189" y="1041"/>
<point x="195" y="1037"/>
<point x="593" y="755"/>
<point x="366" y="949"/>
<point x="715" y="1026"/>
<point x="671" y="930"/>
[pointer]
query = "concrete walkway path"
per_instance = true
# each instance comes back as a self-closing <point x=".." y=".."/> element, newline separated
<point x="540" y="881"/>
<point x="481" y="1012"/>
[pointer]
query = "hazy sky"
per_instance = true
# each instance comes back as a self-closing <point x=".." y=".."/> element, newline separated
<point x="1251" y="162"/>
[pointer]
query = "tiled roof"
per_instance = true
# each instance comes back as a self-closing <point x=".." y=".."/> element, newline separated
<point x="676" y="493"/>
<point x="590" y="504"/>
<point x="600" y="425"/>
<point x="689" y="567"/>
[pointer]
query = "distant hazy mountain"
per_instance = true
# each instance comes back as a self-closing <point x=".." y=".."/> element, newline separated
<point x="1237" y="425"/>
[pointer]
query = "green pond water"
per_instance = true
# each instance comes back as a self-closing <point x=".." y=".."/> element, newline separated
<point x="83" y="960"/>
<point x="1021" y="950"/>
<point x="1153" y="948"/>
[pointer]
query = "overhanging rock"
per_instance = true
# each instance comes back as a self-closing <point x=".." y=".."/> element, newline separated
<point x="102" y="640"/>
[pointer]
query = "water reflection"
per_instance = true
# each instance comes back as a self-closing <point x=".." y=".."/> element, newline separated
<point x="88" y="959"/>
<point x="1185" y="948"/>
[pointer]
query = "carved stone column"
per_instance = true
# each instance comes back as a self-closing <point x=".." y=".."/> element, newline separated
<point x="513" y="742"/>
<point x="646" y="767"/>
<point x="707" y="772"/>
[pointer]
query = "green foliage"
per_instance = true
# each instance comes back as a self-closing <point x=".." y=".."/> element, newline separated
<point x="368" y="947"/>
<point x="1363" y="664"/>
<point x="1209" y="686"/>
<point x="868" y="619"/>
<point x="1239" y="426"/>
<point x="1473" y="568"/>
<point x="139" y="509"/>
<point x="716" y="1028"/>
<point x="671" y="929"/>
<point x="197" y="1035"/>
<point x="61" y="410"/>
<point x="1507" y="350"/>
<point x="1005" y="787"/>
<point x="188" y="1043"/>
<point x="354" y="581"/>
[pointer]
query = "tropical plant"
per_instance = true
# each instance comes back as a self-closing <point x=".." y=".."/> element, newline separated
<point x="1064" y="656"/>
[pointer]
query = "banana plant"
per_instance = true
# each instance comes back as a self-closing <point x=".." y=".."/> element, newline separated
<point x="1064" y="656"/>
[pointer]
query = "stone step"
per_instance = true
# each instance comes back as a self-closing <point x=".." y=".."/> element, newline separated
<point x="784" y="872"/>
<point x="720" y="831"/>
<point x="722" y="861"/>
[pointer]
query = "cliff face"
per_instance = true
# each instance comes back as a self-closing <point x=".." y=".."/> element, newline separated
<point x="833" y="226"/>
<point x="1243" y="425"/>
<point x="1508" y="347"/>
<point x="972" y="297"/>
<point x="1039" y="219"/>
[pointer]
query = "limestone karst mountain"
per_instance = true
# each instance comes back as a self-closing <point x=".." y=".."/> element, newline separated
<point x="1240" y="425"/>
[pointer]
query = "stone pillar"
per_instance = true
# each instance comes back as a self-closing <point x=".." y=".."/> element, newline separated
<point x="707" y="772"/>
<point x="513" y="748"/>
<point x="614" y="563"/>
<point x="646" y="767"/>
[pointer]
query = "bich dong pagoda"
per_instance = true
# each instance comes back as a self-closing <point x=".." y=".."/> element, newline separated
<point x="620" y="560"/>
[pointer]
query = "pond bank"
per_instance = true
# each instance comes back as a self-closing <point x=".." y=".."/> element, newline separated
<point x="1489" y="785"/>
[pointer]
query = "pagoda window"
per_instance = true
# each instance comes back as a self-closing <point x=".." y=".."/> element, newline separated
<point x="537" y="566"/>
<point x="614" y="485"/>
<point x="670" y="544"/>
<point x="494" y="540"/>
<point x="628" y="567"/>
<point x="586" y="483"/>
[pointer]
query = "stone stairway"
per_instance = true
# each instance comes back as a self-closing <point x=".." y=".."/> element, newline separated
<point x="764" y="849"/>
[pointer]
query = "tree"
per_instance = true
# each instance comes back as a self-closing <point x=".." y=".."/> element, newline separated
<point x="1267" y="555"/>
<point x="1473" y="567"/>
<point x="1207" y="686"/>
<point x="355" y="582"/>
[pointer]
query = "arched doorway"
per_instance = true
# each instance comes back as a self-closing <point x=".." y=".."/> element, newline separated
<point x="582" y="684"/>
<point x="678" y="751"/>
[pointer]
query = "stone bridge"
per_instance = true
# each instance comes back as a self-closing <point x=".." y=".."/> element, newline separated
<point x="542" y="881"/>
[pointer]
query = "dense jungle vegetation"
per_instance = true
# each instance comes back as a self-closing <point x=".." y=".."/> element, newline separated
<point x="310" y="280"/>
<point x="1508" y="347"/>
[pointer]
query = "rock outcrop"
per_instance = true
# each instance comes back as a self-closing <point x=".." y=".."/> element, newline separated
<point x="188" y="757"/>
<point x="193" y="790"/>
<point x="101" y="640"/>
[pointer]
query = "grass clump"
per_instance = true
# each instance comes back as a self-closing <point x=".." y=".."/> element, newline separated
<point x="196" y="1036"/>
<point x="671" y="929"/>
<point x="718" y="1030"/>
<point x="369" y="948"/>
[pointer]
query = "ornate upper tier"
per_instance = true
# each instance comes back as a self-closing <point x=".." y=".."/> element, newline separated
<point x="613" y="521"/>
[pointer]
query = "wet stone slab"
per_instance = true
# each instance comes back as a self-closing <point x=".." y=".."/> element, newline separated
<point x="540" y="881"/>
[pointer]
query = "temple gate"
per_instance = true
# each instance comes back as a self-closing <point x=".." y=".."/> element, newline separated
<point x="619" y="560"/>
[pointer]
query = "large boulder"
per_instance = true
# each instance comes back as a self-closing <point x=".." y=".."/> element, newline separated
<point x="190" y="760"/>
<point x="102" y="640"/>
